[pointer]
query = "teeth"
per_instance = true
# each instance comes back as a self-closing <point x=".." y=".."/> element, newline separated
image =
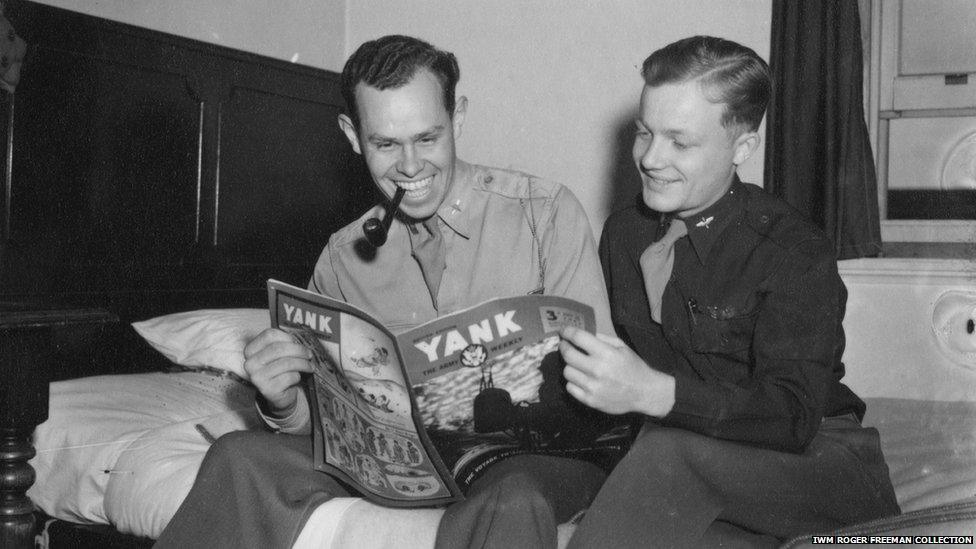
<point x="413" y="186"/>
<point x="416" y="189"/>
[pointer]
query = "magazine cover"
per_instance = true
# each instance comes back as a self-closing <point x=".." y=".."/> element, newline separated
<point x="365" y="429"/>
<point x="413" y="419"/>
<point x="482" y="376"/>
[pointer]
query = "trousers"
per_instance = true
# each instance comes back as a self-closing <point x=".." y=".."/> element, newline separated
<point x="257" y="489"/>
<point x="519" y="502"/>
<point x="676" y="488"/>
<point x="254" y="489"/>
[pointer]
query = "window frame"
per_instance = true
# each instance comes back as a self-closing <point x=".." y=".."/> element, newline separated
<point x="880" y="20"/>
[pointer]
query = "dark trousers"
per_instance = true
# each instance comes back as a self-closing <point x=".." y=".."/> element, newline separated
<point x="676" y="488"/>
<point x="257" y="489"/>
<point x="254" y="489"/>
<point x="518" y="503"/>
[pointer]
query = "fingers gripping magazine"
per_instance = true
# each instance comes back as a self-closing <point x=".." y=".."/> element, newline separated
<point x="412" y="419"/>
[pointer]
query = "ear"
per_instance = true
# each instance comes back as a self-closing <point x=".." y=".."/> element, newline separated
<point x="348" y="128"/>
<point x="460" y="109"/>
<point x="745" y="145"/>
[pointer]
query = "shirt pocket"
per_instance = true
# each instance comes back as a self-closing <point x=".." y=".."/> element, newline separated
<point x="722" y="328"/>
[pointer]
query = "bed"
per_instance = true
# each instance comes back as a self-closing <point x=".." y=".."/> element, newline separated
<point x="911" y="355"/>
<point x="153" y="429"/>
<point x="152" y="185"/>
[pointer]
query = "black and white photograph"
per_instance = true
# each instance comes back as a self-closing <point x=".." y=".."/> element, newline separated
<point x="747" y="228"/>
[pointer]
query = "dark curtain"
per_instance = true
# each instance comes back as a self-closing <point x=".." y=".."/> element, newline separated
<point x="818" y="154"/>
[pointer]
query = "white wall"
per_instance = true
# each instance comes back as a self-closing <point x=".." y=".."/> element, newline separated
<point x="552" y="85"/>
<point x="310" y="32"/>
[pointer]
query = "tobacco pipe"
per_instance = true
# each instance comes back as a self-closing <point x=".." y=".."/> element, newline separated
<point x="374" y="229"/>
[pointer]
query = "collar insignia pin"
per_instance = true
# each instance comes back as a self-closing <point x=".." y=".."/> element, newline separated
<point x="705" y="222"/>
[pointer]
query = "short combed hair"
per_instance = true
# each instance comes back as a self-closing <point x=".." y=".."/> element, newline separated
<point x="391" y="62"/>
<point x="730" y="73"/>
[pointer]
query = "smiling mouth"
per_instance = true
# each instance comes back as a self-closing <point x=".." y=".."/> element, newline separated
<point x="416" y="189"/>
<point x="658" y="182"/>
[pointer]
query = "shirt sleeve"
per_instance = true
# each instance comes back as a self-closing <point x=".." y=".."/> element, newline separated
<point x="796" y="339"/>
<point x="298" y="422"/>
<point x="324" y="279"/>
<point x="572" y="264"/>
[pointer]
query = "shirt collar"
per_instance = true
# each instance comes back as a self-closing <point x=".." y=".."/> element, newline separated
<point x="455" y="210"/>
<point x="705" y="227"/>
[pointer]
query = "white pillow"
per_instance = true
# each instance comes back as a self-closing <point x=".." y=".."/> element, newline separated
<point x="206" y="338"/>
<point x="101" y="432"/>
<point x="156" y="471"/>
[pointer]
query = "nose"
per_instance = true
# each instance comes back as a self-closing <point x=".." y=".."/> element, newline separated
<point x="409" y="164"/>
<point x="650" y="157"/>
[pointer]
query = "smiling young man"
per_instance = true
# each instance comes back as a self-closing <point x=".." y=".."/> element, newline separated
<point x="729" y="307"/>
<point x="493" y="233"/>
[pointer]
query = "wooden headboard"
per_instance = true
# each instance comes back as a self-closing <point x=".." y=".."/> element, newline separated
<point x="146" y="173"/>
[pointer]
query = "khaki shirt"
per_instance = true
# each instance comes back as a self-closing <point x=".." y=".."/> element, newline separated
<point x="494" y="223"/>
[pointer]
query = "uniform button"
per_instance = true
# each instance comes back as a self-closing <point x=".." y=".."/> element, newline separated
<point x="764" y="219"/>
<point x="489" y="178"/>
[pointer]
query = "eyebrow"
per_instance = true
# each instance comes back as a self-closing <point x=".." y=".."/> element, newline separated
<point x="670" y="133"/>
<point x="435" y="130"/>
<point x="678" y="133"/>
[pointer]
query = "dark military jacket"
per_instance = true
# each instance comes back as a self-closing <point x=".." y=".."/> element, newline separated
<point x="750" y="320"/>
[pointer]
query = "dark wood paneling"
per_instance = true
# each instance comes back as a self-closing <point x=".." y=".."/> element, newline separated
<point x="152" y="169"/>
<point x="105" y="164"/>
<point x="269" y="187"/>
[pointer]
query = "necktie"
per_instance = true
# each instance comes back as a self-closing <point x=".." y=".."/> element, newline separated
<point x="428" y="250"/>
<point x="656" y="263"/>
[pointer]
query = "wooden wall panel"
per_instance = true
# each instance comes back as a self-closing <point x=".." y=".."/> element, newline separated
<point x="153" y="172"/>
<point x="303" y="180"/>
<point x="108" y="162"/>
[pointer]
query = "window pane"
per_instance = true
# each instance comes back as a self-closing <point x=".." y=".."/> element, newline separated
<point x="937" y="37"/>
<point x="932" y="168"/>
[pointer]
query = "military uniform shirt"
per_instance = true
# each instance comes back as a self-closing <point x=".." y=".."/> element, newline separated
<point x="497" y="225"/>
<point x="750" y="323"/>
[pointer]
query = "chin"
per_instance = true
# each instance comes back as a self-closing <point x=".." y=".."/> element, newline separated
<point x="659" y="202"/>
<point x="418" y="214"/>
